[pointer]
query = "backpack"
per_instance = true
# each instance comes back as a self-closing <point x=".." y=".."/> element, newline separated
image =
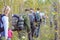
<point x="21" y="23"/>
<point x="1" y="23"/>
<point x="17" y="22"/>
<point x="15" y="19"/>
<point x="37" y="17"/>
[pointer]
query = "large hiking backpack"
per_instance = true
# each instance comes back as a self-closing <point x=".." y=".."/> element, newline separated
<point x="21" y="23"/>
<point x="1" y="23"/>
<point x="15" y="19"/>
<point x="17" y="22"/>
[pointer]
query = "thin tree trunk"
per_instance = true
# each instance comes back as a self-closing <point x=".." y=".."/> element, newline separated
<point x="4" y="1"/>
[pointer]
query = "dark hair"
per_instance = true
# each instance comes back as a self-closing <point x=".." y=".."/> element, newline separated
<point x="31" y="8"/>
<point x="38" y="9"/>
<point x="26" y="9"/>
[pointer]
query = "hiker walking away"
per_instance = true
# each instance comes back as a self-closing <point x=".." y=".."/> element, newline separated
<point x="4" y="23"/>
<point x="32" y="26"/>
<point x="21" y="22"/>
<point x="38" y="22"/>
<point x="27" y="23"/>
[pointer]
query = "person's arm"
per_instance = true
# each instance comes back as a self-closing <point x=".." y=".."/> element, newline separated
<point x="6" y="25"/>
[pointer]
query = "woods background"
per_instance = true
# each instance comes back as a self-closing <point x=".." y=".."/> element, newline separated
<point x="46" y="6"/>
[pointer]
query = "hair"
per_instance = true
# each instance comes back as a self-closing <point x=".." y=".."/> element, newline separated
<point x="38" y="9"/>
<point x="26" y="9"/>
<point x="31" y="8"/>
<point x="6" y="8"/>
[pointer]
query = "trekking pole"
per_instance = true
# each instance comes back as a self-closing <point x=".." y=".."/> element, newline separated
<point x="4" y="2"/>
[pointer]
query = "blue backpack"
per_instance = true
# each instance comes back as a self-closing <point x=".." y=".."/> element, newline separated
<point x="37" y="17"/>
<point x="1" y="23"/>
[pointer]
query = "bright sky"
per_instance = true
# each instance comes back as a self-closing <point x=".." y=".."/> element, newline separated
<point x="43" y="0"/>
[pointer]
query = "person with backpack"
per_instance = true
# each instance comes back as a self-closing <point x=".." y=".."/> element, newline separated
<point x="4" y="22"/>
<point x="15" y="19"/>
<point x="27" y="22"/>
<point x="32" y="26"/>
<point x="21" y="22"/>
<point x="38" y="22"/>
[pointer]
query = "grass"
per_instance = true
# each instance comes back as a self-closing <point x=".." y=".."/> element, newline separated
<point x="46" y="33"/>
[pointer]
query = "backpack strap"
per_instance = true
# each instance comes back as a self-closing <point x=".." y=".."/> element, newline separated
<point x="1" y="28"/>
<point x="1" y="17"/>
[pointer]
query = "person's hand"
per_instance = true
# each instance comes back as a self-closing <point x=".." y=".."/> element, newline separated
<point x="5" y="38"/>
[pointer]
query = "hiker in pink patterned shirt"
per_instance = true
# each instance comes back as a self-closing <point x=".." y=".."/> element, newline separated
<point x="10" y="34"/>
